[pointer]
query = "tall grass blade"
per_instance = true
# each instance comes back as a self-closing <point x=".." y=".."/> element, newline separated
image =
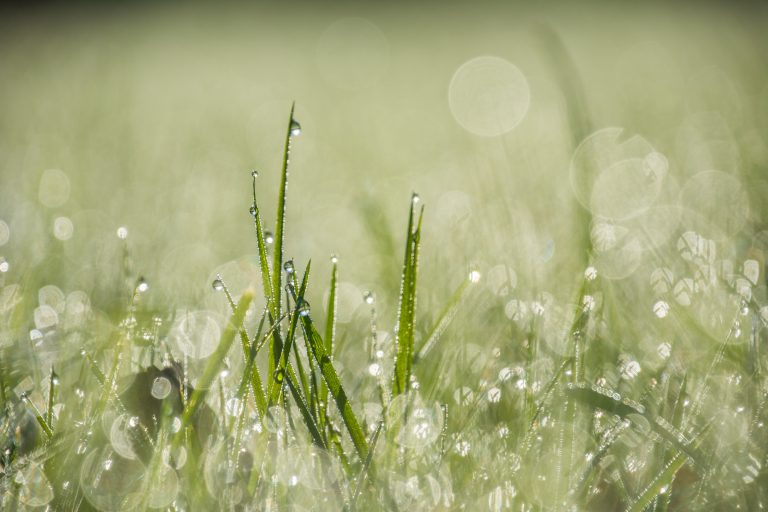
<point x="404" y="336"/>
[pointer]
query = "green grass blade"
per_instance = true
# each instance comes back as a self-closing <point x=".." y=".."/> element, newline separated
<point x="255" y="377"/>
<point x="52" y="389"/>
<point x="407" y="308"/>
<point x="216" y="359"/>
<point x="334" y="386"/>
<point x="366" y="465"/>
<point x="277" y="261"/>
<point x="661" y="481"/>
<point x="444" y="320"/>
<point x="306" y="414"/>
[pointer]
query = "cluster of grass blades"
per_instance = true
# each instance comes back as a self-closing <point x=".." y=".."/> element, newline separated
<point x="121" y="422"/>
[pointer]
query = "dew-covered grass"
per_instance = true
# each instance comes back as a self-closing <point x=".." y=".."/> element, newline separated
<point x="570" y="314"/>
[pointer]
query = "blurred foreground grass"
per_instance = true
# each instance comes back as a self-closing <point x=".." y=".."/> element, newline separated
<point x="590" y="323"/>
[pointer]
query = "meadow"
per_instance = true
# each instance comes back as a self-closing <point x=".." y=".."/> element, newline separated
<point x="391" y="258"/>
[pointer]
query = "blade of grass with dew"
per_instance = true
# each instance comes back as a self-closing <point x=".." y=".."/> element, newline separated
<point x="53" y="387"/>
<point x="330" y="338"/>
<point x="303" y="408"/>
<point x="334" y="386"/>
<point x="255" y="377"/>
<point x="444" y="320"/>
<point x="215" y="361"/>
<point x="277" y="261"/>
<point x="366" y="465"/>
<point x="38" y="416"/>
<point x="407" y="307"/>
<point x="625" y="409"/>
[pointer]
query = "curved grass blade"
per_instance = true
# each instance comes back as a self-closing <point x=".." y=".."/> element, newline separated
<point x="252" y="369"/>
<point x="215" y="361"/>
<point x="661" y="481"/>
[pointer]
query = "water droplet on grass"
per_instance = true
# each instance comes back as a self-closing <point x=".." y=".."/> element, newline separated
<point x="415" y="198"/>
<point x="474" y="276"/>
<point x="295" y="128"/>
<point x="368" y="297"/>
<point x="590" y="274"/>
<point x="4" y="265"/>
<point x="288" y="267"/>
<point x="269" y="238"/>
<point x="252" y="210"/>
<point x="122" y="232"/>
<point x="142" y="285"/>
<point x="661" y="308"/>
<point x="303" y="307"/>
<point x="334" y="259"/>
<point x="254" y="173"/>
<point x="161" y="388"/>
<point x="217" y="284"/>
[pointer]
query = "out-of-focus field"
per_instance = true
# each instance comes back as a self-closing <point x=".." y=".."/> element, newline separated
<point x="155" y="117"/>
<point x="591" y="306"/>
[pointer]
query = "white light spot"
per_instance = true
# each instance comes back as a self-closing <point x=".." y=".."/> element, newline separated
<point x="661" y="309"/>
<point x="63" y="228"/>
<point x="489" y="96"/>
<point x="122" y="232"/>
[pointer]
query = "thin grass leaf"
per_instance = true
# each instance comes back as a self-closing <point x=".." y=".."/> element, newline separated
<point x="277" y="261"/>
<point x="38" y="416"/>
<point x="306" y="414"/>
<point x="334" y="386"/>
<point x="404" y="336"/>
<point x="366" y="465"/>
<point x="255" y="377"/>
<point x="330" y="337"/>
<point x="52" y="389"/>
<point x="215" y="361"/>
<point x="444" y="320"/>
<point x="661" y="481"/>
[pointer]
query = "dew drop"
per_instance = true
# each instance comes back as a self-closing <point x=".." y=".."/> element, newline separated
<point x="295" y="128"/>
<point x="269" y="238"/>
<point x="4" y="266"/>
<point x="494" y="395"/>
<point x="217" y="284"/>
<point x="368" y="297"/>
<point x="590" y="274"/>
<point x="161" y="388"/>
<point x="252" y="210"/>
<point x="661" y="308"/>
<point x="122" y="232"/>
<point x="588" y="303"/>
<point x="303" y="307"/>
<point x="374" y="369"/>
<point x="334" y="259"/>
<point x="254" y="173"/>
<point x="142" y="285"/>
<point x="288" y="267"/>
<point x="474" y="276"/>
<point x="744" y="308"/>
<point x="415" y="198"/>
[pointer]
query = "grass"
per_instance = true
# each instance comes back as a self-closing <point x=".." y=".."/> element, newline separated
<point x="468" y="405"/>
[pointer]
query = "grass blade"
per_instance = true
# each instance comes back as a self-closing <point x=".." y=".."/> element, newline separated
<point x="216" y="359"/>
<point x="277" y="261"/>
<point x="407" y="308"/>
<point x="334" y="386"/>
<point x="444" y="320"/>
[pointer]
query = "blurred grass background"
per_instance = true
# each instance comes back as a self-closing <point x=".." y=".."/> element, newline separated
<point x="157" y="113"/>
